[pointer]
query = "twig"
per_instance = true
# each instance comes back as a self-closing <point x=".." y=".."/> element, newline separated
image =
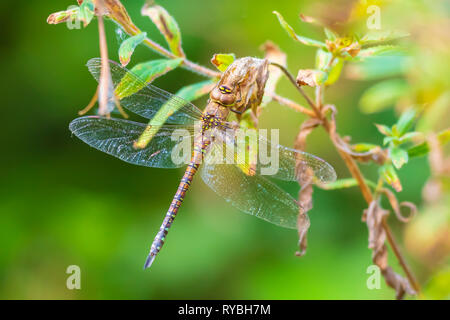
<point x="300" y="89"/>
<point x="105" y="76"/>
<point x="354" y="171"/>
<point x="132" y="30"/>
<point x="291" y="104"/>
<point x="367" y="194"/>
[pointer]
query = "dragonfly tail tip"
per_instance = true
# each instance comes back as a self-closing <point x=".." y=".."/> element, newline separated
<point x="149" y="261"/>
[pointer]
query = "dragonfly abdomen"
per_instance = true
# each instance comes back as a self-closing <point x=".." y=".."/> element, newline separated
<point x="184" y="185"/>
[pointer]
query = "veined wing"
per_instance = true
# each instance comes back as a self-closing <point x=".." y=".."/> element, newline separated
<point x="145" y="99"/>
<point x="253" y="153"/>
<point x="253" y="194"/>
<point x="116" y="137"/>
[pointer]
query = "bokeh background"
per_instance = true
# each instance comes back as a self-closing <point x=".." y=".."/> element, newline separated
<point x="63" y="203"/>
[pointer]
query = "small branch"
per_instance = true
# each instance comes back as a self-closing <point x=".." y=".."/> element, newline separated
<point x="300" y="89"/>
<point x="132" y="30"/>
<point x="353" y="168"/>
<point x="400" y="258"/>
<point x="105" y="75"/>
<point x="291" y="104"/>
<point x="367" y="194"/>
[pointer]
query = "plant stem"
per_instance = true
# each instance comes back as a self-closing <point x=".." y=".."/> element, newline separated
<point x="368" y="196"/>
<point x="354" y="171"/>
<point x="105" y="76"/>
<point x="300" y="89"/>
<point x="316" y="112"/>
<point x="291" y="104"/>
<point x="132" y="30"/>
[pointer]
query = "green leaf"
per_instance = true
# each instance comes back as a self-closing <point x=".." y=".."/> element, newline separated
<point x="405" y="122"/>
<point x="423" y="148"/>
<point x="147" y="71"/>
<point x="409" y="136"/>
<point x="86" y="12"/>
<point x="380" y="50"/>
<point x="383" y="95"/>
<point x="344" y="183"/>
<point x="380" y="36"/>
<point x="378" y="67"/>
<point x="388" y="173"/>
<point x="223" y="60"/>
<point x="196" y="90"/>
<point x="330" y="34"/>
<point x="384" y="129"/>
<point x="363" y="147"/>
<point x="293" y="35"/>
<point x="127" y="47"/>
<point x="166" y="25"/>
<point x="387" y="140"/>
<point x="322" y="59"/>
<point x="419" y="150"/>
<point x="335" y="71"/>
<point x="398" y="156"/>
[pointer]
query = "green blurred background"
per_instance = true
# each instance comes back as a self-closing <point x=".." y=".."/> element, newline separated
<point x="64" y="203"/>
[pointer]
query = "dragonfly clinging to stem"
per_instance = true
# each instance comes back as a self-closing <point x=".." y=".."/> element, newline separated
<point x="241" y="183"/>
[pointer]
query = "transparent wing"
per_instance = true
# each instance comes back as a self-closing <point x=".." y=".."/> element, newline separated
<point x="116" y="137"/>
<point x="253" y="153"/>
<point x="145" y="99"/>
<point x="253" y="194"/>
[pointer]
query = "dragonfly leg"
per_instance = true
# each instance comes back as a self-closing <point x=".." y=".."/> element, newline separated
<point x="90" y="105"/>
<point x="94" y="99"/>
<point x="119" y="107"/>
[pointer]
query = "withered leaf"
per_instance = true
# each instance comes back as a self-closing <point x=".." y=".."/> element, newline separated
<point x="374" y="216"/>
<point x="305" y="180"/>
<point x="311" y="77"/>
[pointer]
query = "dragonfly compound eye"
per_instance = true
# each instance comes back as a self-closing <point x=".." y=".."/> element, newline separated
<point x="223" y="95"/>
<point x="225" y="89"/>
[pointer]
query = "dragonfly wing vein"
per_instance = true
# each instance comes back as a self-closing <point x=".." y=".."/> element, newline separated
<point x="116" y="137"/>
<point x="145" y="99"/>
<point x="253" y="194"/>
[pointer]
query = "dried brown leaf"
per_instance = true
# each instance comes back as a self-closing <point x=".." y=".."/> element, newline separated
<point x="305" y="180"/>
<point x="272" y="54"/>
<point x="310" y="77"/>
<point x="116" y="11"/>
<point x="63" y="16"/>
<point x="374" y="216"/>
<point x="376" y="154"/>
<point x="397" y="207"/>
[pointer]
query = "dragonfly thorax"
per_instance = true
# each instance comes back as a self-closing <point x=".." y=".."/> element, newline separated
<point x="210" y="121"/>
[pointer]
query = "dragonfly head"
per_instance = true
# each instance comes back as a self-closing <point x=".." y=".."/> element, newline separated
<point x="242" y="83"/>
<point x="225" y="95"/>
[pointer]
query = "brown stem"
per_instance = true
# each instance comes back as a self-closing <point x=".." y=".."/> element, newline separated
<point x="291" y="104"/>
<point x="133" y="30"/>
<point x="354" y="171"/>
<point x="300" y="89"/>
<point x="367" y="194"/>
<point x="400" y="258"/>
<point x="105" y="75"/>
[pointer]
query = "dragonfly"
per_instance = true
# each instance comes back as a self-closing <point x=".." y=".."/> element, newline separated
<point x="242" y="183"/>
